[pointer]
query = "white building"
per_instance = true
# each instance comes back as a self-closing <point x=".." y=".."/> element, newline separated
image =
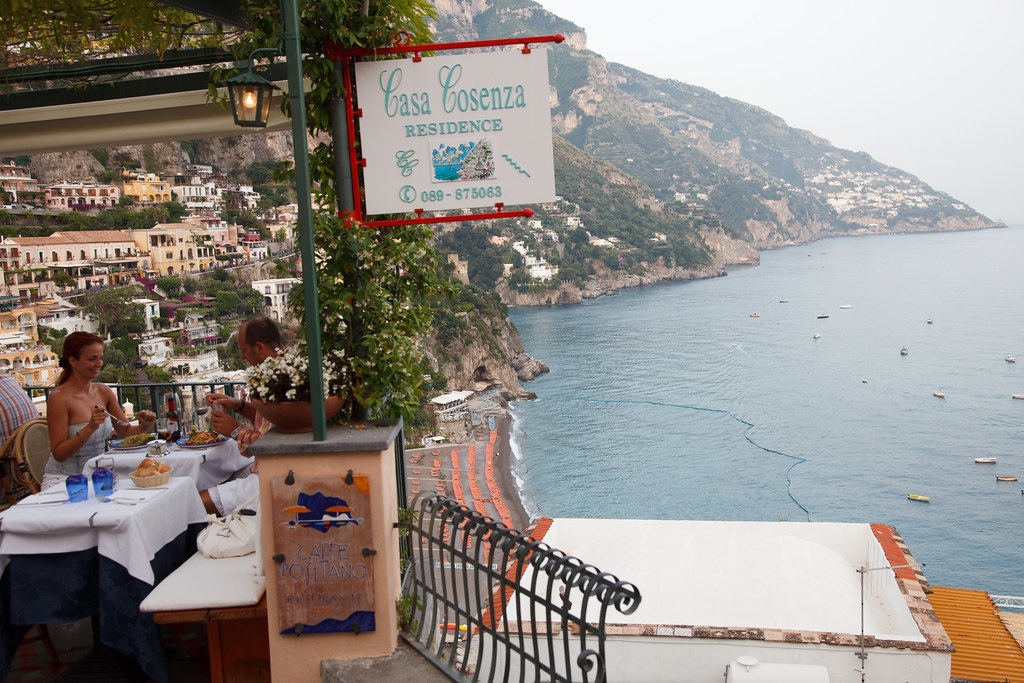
<point x="275" y="296"/>
<point x="151" y="311"/>
<point x="155" y="350"/>
<point x="542" y="271"/>
<point x="197" y="195"/>
<point x="61" y="315"/>
<point x="798" y="598"/>
<point x="451" y="406"/>
<point x="200" y="328"/>
<point x="187" y="364"/>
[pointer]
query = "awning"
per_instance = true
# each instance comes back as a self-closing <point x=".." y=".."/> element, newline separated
<point x="172" y="108"/>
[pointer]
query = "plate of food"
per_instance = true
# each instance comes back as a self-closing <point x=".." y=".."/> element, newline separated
<point x="135" y="442"/>
<point x="200" y="439"/>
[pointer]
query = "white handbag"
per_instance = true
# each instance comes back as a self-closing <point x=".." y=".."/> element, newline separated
<point x="231" y="536"/>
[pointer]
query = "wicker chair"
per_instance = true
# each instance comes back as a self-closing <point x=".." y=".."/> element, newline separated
<point x="24" y="456"/>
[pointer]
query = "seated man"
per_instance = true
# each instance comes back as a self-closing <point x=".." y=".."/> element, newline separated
<point x="258" y="339"/>
<point x="16" y="408"/>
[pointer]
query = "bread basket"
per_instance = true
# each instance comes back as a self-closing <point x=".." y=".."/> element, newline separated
<point x="152" y="480"/>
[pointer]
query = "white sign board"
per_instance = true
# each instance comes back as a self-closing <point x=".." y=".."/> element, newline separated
<point x="456" y="132"/>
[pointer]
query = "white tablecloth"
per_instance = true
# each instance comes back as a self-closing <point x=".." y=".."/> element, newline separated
<point x="130" y="535"/>
<point x="207" y="467"/>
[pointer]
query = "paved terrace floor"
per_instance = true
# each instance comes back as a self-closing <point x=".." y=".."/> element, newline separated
<point x="83" y="662"/>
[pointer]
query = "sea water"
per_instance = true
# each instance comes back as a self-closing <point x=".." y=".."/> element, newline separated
<point x="673" y="402"/>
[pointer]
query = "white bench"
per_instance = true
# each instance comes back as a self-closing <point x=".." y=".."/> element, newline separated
<point x="202" y="583"/>
<point x="214" y="591"/>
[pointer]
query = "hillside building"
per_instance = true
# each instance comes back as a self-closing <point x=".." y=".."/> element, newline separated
<point x="58" y="314"/>
<point x="174" y="248"/>
<point x="80" y="196"/>
<point x="91" y="259"/>
<point x="150" y="311"/>
<point x="195" y="195"/>
<point x="275" y="296"/>
<point x="155" y="350"/>
<point x="252" y="246"/>
<point x="21" y="354"/>
<point x="451" y="406"/>
<point x="461" y="271"/>
<point x="18" y="183"/>
<point x="146" y="188"/>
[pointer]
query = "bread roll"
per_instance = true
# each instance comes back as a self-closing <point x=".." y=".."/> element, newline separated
<point x="149" y="468"/>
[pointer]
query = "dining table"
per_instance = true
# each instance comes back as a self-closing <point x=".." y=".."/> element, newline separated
<point x="205" y="464"/>
<point x="63" y="561"/>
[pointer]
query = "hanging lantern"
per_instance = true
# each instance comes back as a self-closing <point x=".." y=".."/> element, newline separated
<point x="250" y="96"/>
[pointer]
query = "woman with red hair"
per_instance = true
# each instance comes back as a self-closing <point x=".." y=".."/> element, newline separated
<point x="76" y="411"/>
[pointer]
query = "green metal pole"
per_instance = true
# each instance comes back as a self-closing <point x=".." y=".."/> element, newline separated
<point x="293" y="58"/>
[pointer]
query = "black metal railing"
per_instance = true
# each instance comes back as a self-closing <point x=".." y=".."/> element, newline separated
<point x="488" y="603"/>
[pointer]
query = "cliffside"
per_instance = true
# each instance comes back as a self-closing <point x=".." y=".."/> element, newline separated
<point x="604" y="283"/>
<point x="770" y="184"/>
<point x="225" y="154"/>
<point x="479" y="348"/>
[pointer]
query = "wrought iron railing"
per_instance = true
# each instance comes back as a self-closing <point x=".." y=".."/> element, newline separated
<point x="487" y="603"/>
<point x="1008" y="601"/>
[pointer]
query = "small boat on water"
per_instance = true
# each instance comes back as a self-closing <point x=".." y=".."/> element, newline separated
<point x="754" y="315"/>
<point x="919" y="499"/>
<point x="985" y="461"/>
<point x="1020" y="396"/>
<point x="1010" y="359"/>
<point x="939" y="393"/>
<point x="817" y="335"/>
<point x="903" y="351"/>
<point x="1006" y="478"/>
<point x="821" y="316"/>
<point x="846" y="306"/>
<point x="929" y="321"/>
<point x="783" y="301"/>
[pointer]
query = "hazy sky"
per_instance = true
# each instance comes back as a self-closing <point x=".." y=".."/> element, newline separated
<point x="934" y="87"/>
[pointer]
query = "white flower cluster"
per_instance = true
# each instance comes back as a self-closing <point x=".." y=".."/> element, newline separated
<point x="285" y="377"/>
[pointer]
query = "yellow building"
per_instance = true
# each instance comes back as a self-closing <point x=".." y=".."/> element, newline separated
<point x="175" y="248"/>
<point x="146" y="188"/>
<point x="20" y="351"/>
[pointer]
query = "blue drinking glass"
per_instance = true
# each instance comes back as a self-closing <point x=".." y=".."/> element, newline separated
<point x="78" y="488"/>
<point x="102" y="482"/>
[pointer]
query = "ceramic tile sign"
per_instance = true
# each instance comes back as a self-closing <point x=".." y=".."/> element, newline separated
<point x="324" y="579"/>
<point x="456" y="132"/>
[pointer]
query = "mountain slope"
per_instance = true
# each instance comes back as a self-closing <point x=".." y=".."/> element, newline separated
<point x="771" y="184"/>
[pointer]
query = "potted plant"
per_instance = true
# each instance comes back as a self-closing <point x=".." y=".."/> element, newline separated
<point x="279" y="386"/>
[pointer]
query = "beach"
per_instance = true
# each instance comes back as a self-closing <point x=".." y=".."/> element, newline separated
<point x="476" y="470"/>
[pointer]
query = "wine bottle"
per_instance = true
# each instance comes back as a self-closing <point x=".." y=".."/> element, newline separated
<point x="172" y="419"/>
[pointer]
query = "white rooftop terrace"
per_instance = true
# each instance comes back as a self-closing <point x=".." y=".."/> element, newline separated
<point x="451" y="396"/>
<point x="766" y="575"/>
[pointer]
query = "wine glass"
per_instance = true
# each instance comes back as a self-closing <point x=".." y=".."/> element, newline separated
<point x="200" y="409"/>
<point x="163" y="429"/>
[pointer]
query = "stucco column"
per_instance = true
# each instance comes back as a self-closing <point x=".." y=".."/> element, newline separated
<point x="367" y="453"/>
